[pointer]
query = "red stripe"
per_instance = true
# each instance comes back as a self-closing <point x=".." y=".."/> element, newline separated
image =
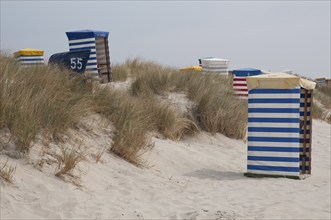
<point x="237" y="79"/>
<point x="241" y="94"/>
<point x="244" y="90"/>
<point x="236" y="84"/>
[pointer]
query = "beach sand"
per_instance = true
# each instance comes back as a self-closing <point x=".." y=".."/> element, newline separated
<point x="200" y="177"/>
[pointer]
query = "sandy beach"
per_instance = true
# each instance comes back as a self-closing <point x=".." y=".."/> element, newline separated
<point x="199" y="177"/>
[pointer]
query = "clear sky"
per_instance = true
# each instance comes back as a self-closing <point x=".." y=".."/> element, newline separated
<point x="268" y="35"/>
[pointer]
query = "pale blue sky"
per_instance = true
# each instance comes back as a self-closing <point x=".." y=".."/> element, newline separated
<point x="269" y="35"/>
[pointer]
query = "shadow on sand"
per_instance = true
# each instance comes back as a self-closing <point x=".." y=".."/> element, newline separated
<point x="216" y="175"/>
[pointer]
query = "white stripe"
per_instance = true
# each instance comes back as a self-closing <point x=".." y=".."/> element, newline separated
<point x="274" y="172"/>
<point x="93" y="56"/>
<point x="240" y="92"/>
<point x="243" y="97"/>
<point x="273" y="105"/>
<point x="272" y="163"/>
<point x="273" y="115"/>
<point x="91" y="61"/>
<point x="81" y="40"/>
<point x="273" y="134"/>
<point x="239" y="87"/>
<point x="273" y="154"/>
<point x="302" y="100"/>
<point x="30" y="57"/>
<point x="27" y="62"/>
<point x="273" y="125"/>
<point x="302" y="117"/>
<point x="82" y="45"/>
<point x="273" y="144"/>
<point x="302" y="109"/>
<point x="90" y="66"/>
<point x="275" y="96"/>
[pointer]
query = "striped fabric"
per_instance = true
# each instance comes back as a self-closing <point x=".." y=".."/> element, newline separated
<point x="87" y="44"/>
<point x="240" y="87"/>
<point x="30" y="60"/>
<point x="305" y="131"/>
<point x="274" y="132"/>
<point x="103" y="59"/>
<point x="215" y="65"/>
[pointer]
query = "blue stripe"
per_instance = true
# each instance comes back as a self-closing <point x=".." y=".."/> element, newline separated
<point x="94" y="69"/>
<point x="307" y="140"/>
<point x="276" y="120"/>
<point x="307" y="122"/>
<point x="273" y="168"/>
<point x="91" y="64"/>
<point x="302" y="131"/>
<point x="307" y="149"/>
<point x="303" y="114"/>
<point x="82" y="48"/>
<point x="274" y="91"/>
<point x="274" y="149"/>
<point x="81" y="43"/>
<point x="303" y="95"/>
<point x="36" y="59"/>
<point x="262" y="129"/>
<point x="274" y="139"/>
<point x="259" y="100"/>
<point x="306" y="159"/>
<point x="303" y="104"/>
<point x="306" y="167"/>
<point x="31" y="64"/>
<point x="275" y="159"/>
<point x="273" y="110"/>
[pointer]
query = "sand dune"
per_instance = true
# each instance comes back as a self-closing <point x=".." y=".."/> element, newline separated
<point x="199" y="177"/>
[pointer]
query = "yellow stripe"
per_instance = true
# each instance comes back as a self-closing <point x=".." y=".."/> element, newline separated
<point x="29" y="52"/>
<point x="191" y="68"/>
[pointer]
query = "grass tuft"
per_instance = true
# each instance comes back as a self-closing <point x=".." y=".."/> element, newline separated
<point x="67" y="161"/>
<point x="7" y="172"/>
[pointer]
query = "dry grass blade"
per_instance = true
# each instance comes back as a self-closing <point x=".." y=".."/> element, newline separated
<point x="67" y="161"/>
<point x="7" y="172"/>
<point x="98" y="156"/>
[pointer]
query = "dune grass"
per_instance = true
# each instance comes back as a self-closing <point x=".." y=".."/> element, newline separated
<point x="322" y="111"/>
<point x="39" y="98"/>
<point x="120" y="72"/>
<point x="134" y="117"/>
<point x="323" y="94"/>
<point x="216" y="109"/>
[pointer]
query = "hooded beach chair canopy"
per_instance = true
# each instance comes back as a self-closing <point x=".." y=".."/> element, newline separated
<point x="213" y="64"/>
<point x="246" y="72"/>
<point x="29" y="52"/>
<point x="75" y="35"/>
<point x="98" y="65"/>
<point x="278" y="81"/>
